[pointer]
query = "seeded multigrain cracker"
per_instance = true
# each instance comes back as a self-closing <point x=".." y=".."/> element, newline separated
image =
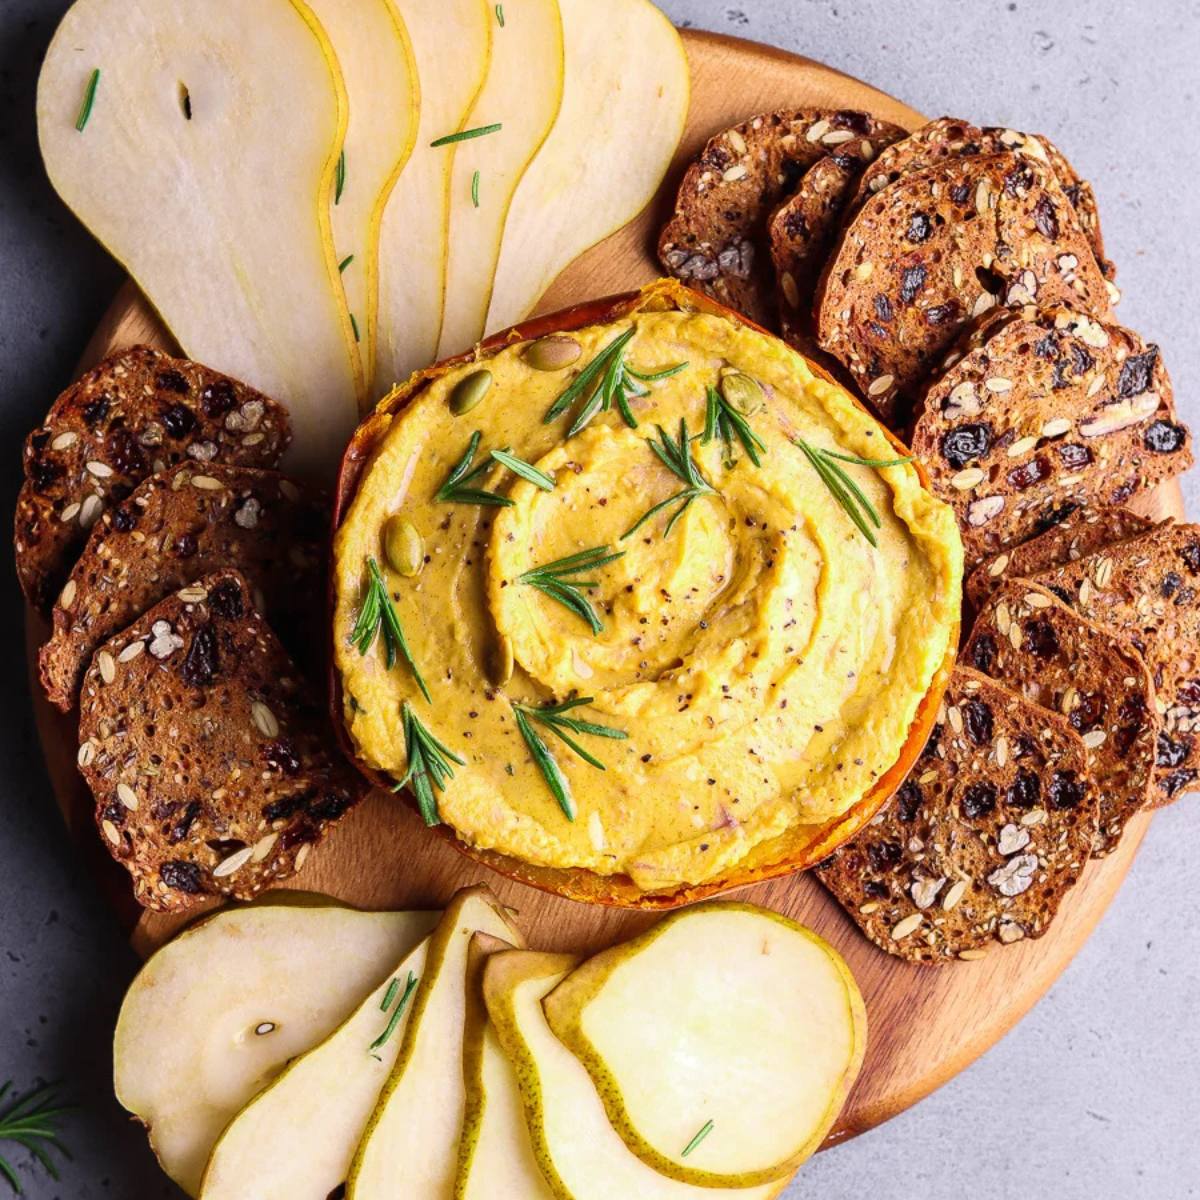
<point x="936" y="249"/>
<point x="948" y="137"/>
<point x="802" y="228"/>
<point x="983" y="839"/>
<point x="1079" y="533"/>
<point x="176" y="526"/>
<point x="1029" y="640"/>
<point x="1041" y="412"/>
<point x="136" y="413"/>
<point x="209" y="758"/>
<point x="716" y="240"/>
<point x="1147" y="589"/>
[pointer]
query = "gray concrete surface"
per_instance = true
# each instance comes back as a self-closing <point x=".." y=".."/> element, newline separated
<point x="1093" y="1096"/>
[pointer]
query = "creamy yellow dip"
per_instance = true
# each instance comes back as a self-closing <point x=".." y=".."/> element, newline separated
<point x="764" y="659"/>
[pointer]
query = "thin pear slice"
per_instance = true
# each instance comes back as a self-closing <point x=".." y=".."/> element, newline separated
<point x="452" y="43"/>
<point x="580" y="1155"/>
<point x="313" y="1116"/>
<point x="624" y="104"/>
<point x="376" y="59"/>
<point x="748" y="1027"/>
<point x="206" y="164"/>
<point x="522" y="94"/>
<point x="410" y="1147"/>
<point x="215" y="1014"/>
<point x="495" y="1155"/>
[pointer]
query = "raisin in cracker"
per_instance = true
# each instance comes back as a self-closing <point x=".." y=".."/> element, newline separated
<point x="984" y="838"/>
<point x="1147" y="589"/>
<point x="134" y="414"/>
<point x="716" y="240"/>
<point x="1080" y="532"/>
<point x="938" y="248"/>
<point x="209" y="758"/>
<point x="1047" y="410"/>
<point x="175" y="527"/>
<point x="1028" y="640"/>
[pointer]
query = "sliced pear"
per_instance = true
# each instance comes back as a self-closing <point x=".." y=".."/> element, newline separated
<point x="624" y="104"/>
<point x="452" y="42"/>
<point x="376" y="59"/>
<point x="580" y="1155"/>
<point x="410" y="1146"/>
<point x="495" y="1155"/>
<point x="206" y="165"/>
<point x="522" y="94"/>
<point x="313" y="1116"/>
<point x="748" y="1026"/>
<point x="215" y="1015"/>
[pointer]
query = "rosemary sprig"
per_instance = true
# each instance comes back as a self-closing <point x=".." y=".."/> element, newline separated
<point x="519" y="466"/>
<point x="558" y="581"/>
<point x="29" y="1122"/>
<point x="701" y="1134"/>
<point x="722" y="420"/>
<point x="428" y="764"/>
<point x="553" y="717"/>
<point x="458" y="490"/>
<point x="843" y="489"/>
<point x="397" y="1012"/>
<point x="89" y="99"/>
<point x="676" y="456"/>
<point x="339" y="179"/>
<point x="605" y="380"/>
<point x="465" y="135"/>
<point x="378" y="613"/>
<point x="475" y="187"/>
<point x="345" y="263"/>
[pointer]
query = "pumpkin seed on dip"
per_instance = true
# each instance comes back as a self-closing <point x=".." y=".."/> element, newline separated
<point x="701" y="653"/>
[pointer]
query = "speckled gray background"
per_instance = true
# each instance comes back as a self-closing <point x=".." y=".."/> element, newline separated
<point x="1094" y="1095"/>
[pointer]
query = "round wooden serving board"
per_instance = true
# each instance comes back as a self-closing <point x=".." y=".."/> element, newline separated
<point x="924" y="1024"/>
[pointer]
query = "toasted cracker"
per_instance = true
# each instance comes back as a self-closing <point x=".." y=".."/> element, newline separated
<point x="938" y="248"/>
<point x="175" y="527"/>
<point x="1147" y="589"/>
<point x="209" y="758"/>
<point x="136" y="413"/>
<point x="1030" y="641"/>
<point x="1044" y="411"/>
<point x="716" y="240"/>
<point x="983" y="840"/>
<point x="1079" y="533"/>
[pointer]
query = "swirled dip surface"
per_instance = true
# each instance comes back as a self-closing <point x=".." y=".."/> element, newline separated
<point x="764" y="659"/>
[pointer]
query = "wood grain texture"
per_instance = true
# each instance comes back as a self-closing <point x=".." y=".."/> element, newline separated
<point x="925" y="1024"/>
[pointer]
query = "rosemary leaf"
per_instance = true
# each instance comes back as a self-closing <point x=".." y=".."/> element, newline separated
<point x="466" y="135"/>
<point x="518" y="466"/>
<point x="701" y="1134"/>
<point x="844" y="490"/>
<point x="556" y="781"/>
<point x="557" y="581"/>
<point x="339" y="178"/>
<point x="89" y="99"/>
<point x="475" y="187"/>
<point x="379" y="614"/>
<point x="722" y="420"/>
<point x="398" y="1011"/>
<point x="345" y="263"/>
<point x="500" y="14"/>
<point x="456" y="489"/>
<point x="29" y="1121"/>
<point x="354" y="326"/>
<point x="867" y="462"/>
<point x="428" y="764"/>
<point x="676" y="456"/>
